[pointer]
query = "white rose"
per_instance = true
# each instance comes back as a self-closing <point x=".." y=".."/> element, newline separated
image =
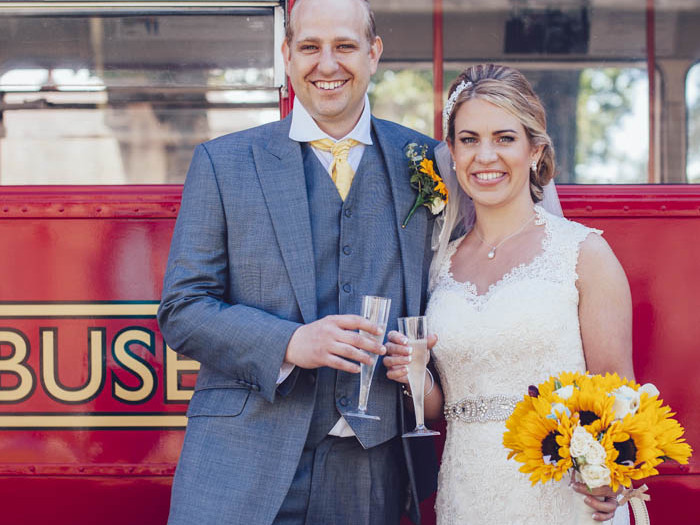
<point x="649" y="388"/>
<point x="626" y="401"/>
<point x="558" y="407"/>
<point x="595" y="475"/>
<point x="595" y="455"/>
<point x="565" y="392"/>
<point x="580" y="442"/>
<point x="437" y="206"/>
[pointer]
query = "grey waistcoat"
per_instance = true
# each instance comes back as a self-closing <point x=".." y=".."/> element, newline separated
<point x="356" y="253"/>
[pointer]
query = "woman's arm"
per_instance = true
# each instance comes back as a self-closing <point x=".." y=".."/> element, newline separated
<point x="605" y="309"/>
<point x="605" y="317"/>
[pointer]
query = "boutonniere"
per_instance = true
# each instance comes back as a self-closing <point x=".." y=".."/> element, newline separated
<point x="432" y="192"/>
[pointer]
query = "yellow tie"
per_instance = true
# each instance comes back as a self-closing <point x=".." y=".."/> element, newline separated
<point x="341" y="171"/>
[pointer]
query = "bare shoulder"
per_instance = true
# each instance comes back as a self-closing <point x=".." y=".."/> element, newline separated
<point x="597" y="261"/>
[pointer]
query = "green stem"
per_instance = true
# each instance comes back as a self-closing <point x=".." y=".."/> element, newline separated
<point x="419" y="202"/>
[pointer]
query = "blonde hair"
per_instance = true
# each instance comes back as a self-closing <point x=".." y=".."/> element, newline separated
<point x="508" y="89"/>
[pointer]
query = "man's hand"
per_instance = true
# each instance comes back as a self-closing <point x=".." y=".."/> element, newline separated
<point x="602" y="500"/>
<point x="334" y="341"/>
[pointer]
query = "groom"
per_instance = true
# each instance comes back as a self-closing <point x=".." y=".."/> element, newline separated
<point x="282" y="229"/>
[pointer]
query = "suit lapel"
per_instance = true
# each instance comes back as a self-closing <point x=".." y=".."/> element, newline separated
<point x="280" y="169"/>
<point x="412" y="238"/>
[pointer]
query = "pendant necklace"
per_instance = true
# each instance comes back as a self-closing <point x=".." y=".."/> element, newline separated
<point x="492" y="252"/>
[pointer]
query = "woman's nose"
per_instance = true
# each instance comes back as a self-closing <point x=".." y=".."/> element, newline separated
<point x="486" y="153"/>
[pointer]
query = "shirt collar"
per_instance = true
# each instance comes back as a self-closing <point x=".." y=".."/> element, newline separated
<point x="305" y="129"/>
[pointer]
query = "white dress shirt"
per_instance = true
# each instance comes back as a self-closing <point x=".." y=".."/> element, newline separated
<point x="305" y="129"/>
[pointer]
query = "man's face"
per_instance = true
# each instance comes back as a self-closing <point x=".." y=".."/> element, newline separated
<point x="330" y="61"/>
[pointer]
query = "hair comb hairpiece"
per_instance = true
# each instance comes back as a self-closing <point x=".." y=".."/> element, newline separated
<point x="451" y="102"/>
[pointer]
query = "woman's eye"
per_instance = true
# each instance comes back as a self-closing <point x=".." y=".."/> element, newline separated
<point x="506" y="138"/>
<point x="468" y="140"/>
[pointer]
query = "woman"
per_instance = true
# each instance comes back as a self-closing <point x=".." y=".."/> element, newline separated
<point x="523" y="295"/>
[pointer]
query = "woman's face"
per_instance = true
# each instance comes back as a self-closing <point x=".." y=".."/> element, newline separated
<point x="492" y="154"/>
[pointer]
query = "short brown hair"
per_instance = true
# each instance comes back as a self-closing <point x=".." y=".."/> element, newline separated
<point x="508" y="89"/>
<point x="370" y="25"/>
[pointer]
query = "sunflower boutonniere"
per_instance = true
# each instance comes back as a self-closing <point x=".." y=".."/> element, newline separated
<point x="431" y="189"/>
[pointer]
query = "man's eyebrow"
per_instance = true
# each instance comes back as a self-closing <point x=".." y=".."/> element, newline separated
<point x="315" y="39"/>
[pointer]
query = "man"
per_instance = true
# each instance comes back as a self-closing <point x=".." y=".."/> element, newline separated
<point x="268" y="264"/>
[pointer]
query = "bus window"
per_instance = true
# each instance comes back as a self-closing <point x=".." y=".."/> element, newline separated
<point x="404" y="96"/>
<point x="692" y="90"/>
<point x="97" y="98"/>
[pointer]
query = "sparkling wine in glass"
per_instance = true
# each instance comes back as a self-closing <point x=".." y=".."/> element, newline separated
<point x="376" y="309"/>
<point x="416" y="331"/>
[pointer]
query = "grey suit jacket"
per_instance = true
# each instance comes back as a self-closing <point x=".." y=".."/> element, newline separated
<point x="240" y="280"/>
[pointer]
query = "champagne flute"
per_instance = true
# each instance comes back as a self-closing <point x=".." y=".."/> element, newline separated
<point x="376" y="309"/>
<point x="416" y="331"/>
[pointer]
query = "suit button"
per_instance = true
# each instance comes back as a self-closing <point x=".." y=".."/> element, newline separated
<point x="347" y="250"/>
<point x="347" y="288"/>
<point x="343" y="401"/>
<point x="348" y="212"/>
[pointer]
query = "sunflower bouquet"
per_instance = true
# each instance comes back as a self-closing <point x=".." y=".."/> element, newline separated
<point x="606" y="428"/>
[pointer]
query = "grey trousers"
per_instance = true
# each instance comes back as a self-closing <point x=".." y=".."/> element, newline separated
<point x="340" y="483"/>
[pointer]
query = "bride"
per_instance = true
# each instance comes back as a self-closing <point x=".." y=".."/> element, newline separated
<point x="520" y="294"/>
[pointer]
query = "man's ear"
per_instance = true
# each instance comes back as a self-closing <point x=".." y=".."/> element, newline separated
<point x="286" y="55"/>
<point x="375" y="53"/>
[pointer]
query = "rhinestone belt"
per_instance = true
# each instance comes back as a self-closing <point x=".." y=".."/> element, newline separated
<point x="479" y="409"/>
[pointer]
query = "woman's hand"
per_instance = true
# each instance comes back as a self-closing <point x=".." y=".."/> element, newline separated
<point x="396" y="360"/>
<point x="398" y="355"/>
<point x="604" y="507"/>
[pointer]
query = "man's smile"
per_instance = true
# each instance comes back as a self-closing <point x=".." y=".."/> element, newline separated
<point x="327" y="85"/>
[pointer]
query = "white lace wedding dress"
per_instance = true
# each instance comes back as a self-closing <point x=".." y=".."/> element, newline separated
<point x="521" y="331"/>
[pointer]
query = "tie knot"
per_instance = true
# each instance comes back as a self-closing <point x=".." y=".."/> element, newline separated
<point x="339" y="149"/>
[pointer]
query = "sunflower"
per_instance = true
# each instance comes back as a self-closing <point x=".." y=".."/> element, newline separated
<point x="533" y="438"/>
<point x="636" y="451"/>
<point x="592" y="404"/>
<point x="667" y="431"/>
<point x="563" y="380"/>
<point x="426" y="166"/>
<point x="609" y="382"/>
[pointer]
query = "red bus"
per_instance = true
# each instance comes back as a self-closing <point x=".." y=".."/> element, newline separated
<point x="101" y="104"/>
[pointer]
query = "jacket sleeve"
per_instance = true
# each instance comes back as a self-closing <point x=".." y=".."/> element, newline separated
<point x="245" y="343"/>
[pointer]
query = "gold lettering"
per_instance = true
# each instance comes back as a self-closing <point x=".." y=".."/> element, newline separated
<point x="49" y="367"/>
<point x="174" y="365"/>
<point x="135" y="365"/>
<point x="15" y="365"/>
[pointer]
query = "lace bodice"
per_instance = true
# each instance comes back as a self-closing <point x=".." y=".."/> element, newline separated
<point x="522" y="330"/>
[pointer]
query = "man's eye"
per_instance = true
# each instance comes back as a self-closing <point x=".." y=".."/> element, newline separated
<point x="308" y="47"/>
<point x="346" y="47"/>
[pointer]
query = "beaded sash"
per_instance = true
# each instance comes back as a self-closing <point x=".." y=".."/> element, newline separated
<point x="480" y="409"/>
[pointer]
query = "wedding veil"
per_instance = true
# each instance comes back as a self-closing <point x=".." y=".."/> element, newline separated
<point x="458" y="216"/>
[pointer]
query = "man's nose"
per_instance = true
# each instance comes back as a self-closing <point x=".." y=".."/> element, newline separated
<point x="327" y="62"/>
